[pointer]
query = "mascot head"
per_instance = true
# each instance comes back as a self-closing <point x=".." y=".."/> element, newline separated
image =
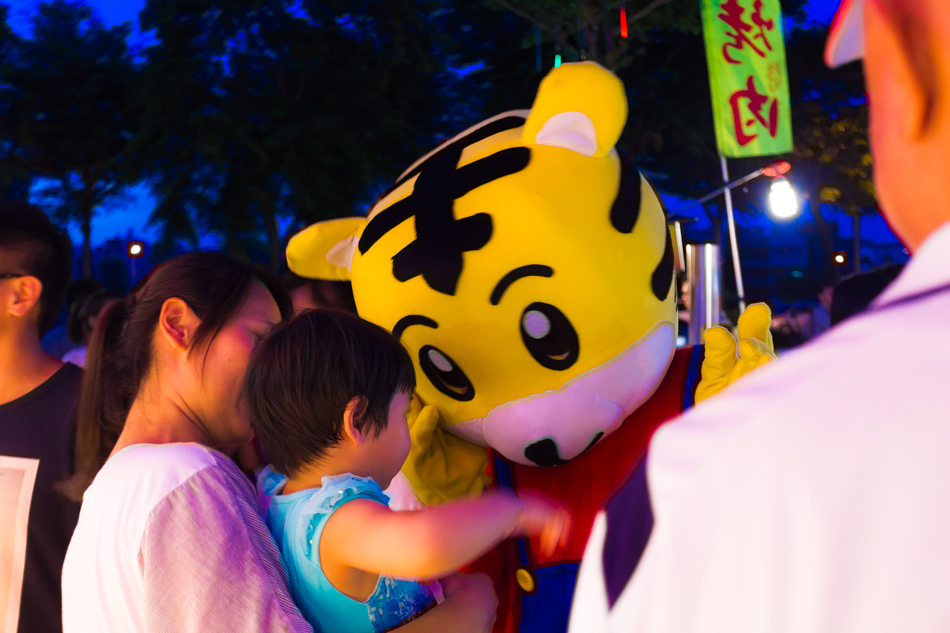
<point x="527" y="268"/>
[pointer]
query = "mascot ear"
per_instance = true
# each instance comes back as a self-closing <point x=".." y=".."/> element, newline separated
<point x="581" y="107"/>
<point x="325" y="250"/>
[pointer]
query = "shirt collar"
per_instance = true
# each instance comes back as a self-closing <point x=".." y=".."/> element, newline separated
<point x="929" y="268"/>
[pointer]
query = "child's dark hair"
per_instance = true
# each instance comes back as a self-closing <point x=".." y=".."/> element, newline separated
<point x="40" y="250"/>
<point x="302" y="376"/>
<point x="119" y="354"/>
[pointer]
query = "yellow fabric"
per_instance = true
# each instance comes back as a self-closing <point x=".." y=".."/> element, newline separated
<point x="727" y="360"/>
<point x="583" y="88"/>
<point x="441" y="466"/>
<point x="308" y="250"/>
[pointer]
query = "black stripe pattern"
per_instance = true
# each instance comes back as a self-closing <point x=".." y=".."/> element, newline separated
<point x="626" y="208"/>
<point x="441" y="239"/>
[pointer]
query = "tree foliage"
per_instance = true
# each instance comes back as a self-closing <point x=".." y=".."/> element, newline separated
<point x="253" y="112"/>
<point x="591" y="29"/>
<point x="66" y="111"/>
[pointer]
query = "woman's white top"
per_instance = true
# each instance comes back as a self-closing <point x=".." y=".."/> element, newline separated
<point x="170" y="538"/>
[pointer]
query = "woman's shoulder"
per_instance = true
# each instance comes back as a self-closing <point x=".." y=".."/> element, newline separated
<point x="149" y="472"/>
<point x="183" y="459"/>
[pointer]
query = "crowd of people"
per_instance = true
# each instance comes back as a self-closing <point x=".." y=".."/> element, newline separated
<point x="808" y="498"/>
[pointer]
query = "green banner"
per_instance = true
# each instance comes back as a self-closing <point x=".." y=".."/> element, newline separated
<point x="748" y="78"/>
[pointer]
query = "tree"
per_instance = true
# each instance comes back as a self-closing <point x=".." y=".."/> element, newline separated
<point x="68" y="114"/>
<point x="253" y="112"/>
<point x="14" y="177"/>
<point x="591" y="29"/>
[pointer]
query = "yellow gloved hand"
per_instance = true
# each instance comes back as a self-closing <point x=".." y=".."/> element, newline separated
<point x="721" y="365"/>
<point x="441" y="466"/>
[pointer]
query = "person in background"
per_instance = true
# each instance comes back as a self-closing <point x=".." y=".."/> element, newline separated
<point x="682" y="310"/>
<point x="56" y="342"/>
<point x="82" y="321"/>
<point x="812" y="495"/>
<point x="317" y="293"/>
<point x="170" y="537"/>
<point x="821" y="313"/>
<point x="854" y="293"/>
<point x="38" y="396"/>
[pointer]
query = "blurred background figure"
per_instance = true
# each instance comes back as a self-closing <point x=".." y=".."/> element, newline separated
<point x="57" y="342"/>
<point x="854" y="293"/>
<point x="82" y="320"/>
<point x="682" y="310"/>
<point x="804" y="320"/>
<point x="821" y="313"/>
<point x="792" y="327"/>
<point x="316" y="294"/>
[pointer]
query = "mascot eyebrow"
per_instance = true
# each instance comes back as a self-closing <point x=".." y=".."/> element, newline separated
<point x="436" y="253"/>
<point x="531" y="270"/>
<point x="411" y="319"/>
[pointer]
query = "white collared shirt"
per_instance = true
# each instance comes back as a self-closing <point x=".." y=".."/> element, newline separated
<point x="812" y="497"/>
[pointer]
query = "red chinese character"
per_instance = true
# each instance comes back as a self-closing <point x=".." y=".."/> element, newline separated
<point x="754" y="107"/>
<point x="740" y="35"/>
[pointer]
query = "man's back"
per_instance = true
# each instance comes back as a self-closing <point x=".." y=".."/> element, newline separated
<point x="41" y="425"/>
<point x="811" y="497"/>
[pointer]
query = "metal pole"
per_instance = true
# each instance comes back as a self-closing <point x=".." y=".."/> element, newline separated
<point x="702" y="272"/>
<point x="733" y="242"/>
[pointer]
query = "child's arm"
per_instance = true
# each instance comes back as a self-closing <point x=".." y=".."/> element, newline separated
<point x="431" y="542"/>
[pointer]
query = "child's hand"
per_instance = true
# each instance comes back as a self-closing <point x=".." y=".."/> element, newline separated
<point x="546" y="518"/>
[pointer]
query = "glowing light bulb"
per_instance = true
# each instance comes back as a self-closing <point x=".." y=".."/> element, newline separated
<point x="783" y="201"/>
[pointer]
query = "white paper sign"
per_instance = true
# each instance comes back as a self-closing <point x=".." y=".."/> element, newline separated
<point x="17" y="477"/>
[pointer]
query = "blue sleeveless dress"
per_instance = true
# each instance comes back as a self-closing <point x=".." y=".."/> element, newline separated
<point x="297" y="521"/>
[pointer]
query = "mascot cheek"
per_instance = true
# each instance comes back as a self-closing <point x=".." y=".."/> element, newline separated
<point x="547" y="431"/>
<point x="553" y="427"/>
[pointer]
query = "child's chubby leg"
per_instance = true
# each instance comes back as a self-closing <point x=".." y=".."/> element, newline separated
<point x="364" y="539"/>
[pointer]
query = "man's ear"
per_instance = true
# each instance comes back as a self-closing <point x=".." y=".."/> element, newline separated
<point x="899" y="46"/>
<point x="177" y="324"/>
<point x="354" y="411"/>
<point x="25" y="296"/>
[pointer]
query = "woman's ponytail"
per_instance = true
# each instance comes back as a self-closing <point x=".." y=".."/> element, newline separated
<point x="104" y="400"/>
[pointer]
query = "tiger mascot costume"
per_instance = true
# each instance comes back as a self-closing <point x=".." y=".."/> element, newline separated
<point x="528" y="269"/>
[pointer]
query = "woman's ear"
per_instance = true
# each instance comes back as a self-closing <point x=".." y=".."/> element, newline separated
<point x="353" y="412"/>
<point x="177" y="324"/>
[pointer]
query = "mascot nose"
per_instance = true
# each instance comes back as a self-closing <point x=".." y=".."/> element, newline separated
<point x="546" y="452"/>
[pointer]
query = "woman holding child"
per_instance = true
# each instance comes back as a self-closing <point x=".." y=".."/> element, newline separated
<point x="170" y="537"/>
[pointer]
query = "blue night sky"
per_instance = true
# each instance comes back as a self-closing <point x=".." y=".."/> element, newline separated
<point x="129" y="216"/>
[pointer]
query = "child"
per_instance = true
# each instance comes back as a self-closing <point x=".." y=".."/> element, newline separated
<point x="328" y="396"/>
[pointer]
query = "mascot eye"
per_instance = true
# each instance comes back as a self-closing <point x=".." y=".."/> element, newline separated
<point x="549" y="336"/>
<point x="444" y="374"/>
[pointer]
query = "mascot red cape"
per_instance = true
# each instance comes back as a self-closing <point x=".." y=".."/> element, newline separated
<point x="528" y="269"/>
